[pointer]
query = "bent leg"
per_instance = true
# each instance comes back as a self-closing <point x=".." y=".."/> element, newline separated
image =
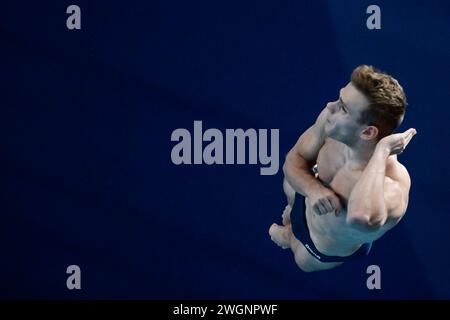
<point x="289" y="192"/>
<point x="281" y="235"/>
<point x="290" y="196"/>
<point x="286" y="216"/>
<point x="305" y="261"/>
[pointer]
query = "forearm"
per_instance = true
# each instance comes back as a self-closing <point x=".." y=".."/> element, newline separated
<point x="299" y="175"/>
<point x="366" y="203"/>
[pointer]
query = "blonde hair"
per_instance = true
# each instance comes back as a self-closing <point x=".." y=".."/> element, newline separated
<point x="386" y="96"/>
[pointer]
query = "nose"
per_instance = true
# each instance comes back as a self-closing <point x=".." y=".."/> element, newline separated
<point x="331" y="106"/>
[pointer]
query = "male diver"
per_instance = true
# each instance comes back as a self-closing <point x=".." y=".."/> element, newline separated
<point x="344" y="184"/>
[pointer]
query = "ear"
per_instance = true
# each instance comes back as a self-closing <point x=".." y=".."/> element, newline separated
<point x="369" y="133"/>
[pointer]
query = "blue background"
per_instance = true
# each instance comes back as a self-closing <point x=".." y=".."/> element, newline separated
<point x="86" y="119"/>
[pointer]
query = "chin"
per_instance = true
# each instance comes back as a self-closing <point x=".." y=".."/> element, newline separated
<point x="328" y="133"/>
<point x="332" y="136"/>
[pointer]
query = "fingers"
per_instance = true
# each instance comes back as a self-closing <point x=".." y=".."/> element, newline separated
<point x="407" y="136"/>
<point x="410" y="130"/>
<point x="326" y="205"/>
<point x="411" y="133"/>
<point x="319" y="208"/>
<point x="336" y="205"/>
<point x="326" y="201"/>
<point x="407" y="140"/>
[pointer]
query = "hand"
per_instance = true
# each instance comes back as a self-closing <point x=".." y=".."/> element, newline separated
<point x="396" y="143"/>
<point x="324" y="200"/>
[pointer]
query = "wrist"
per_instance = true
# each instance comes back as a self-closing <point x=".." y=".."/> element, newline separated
<point x="382" y="151"/>
<point x="314" y="188"/>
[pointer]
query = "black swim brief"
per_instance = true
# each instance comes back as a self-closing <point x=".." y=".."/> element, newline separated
<point x="301" y="232"/>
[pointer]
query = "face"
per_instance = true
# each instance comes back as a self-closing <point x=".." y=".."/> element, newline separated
<point x="343" y="113"/>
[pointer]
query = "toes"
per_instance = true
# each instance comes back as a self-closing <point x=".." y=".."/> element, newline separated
<point x="277" y="234"/>
<point x="273" y="229"/>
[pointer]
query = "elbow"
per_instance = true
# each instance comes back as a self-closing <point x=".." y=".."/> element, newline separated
<point x="287" y="164"/>
<point x="292" y="162"/>
<point x="366" y="222"/>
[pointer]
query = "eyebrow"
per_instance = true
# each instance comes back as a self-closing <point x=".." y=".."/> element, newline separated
<point x="341" y="101"/>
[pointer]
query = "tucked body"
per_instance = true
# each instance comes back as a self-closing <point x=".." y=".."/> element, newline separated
<point x="360" y="189"/>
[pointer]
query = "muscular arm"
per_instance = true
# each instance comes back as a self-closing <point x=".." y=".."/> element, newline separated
<point x="302" y="157"/>
<point x="375" y="197"/>
<point x="298" y="169"/>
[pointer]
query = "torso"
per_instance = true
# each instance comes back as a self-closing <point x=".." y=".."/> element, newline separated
<point x="330" y="233"/>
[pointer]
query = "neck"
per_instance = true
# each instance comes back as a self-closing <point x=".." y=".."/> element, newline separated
<point x="358" y="155"/>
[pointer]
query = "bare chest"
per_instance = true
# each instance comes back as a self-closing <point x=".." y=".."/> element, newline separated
<point x="334" y="172"/>
<point x="330" y="233"/>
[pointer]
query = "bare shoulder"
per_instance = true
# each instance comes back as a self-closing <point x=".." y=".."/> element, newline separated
<point x="397" y="172"/>
<point x="397" y="186"/>
<point x="312" y="140"/>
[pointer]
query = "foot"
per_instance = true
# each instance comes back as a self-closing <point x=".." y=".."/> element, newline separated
<point x="280" y="235"/>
